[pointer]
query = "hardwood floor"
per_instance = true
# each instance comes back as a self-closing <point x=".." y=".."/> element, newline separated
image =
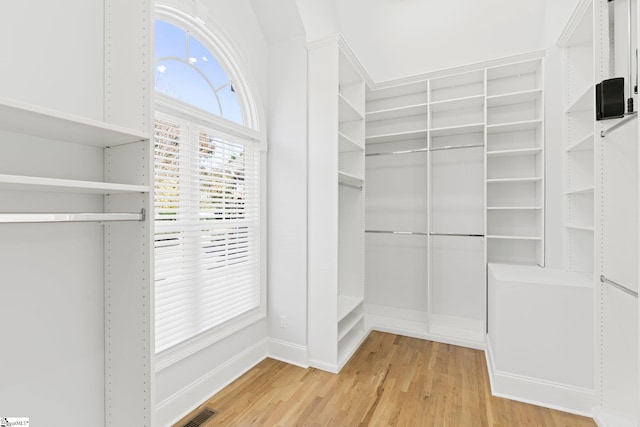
<point x="391" y="381"/>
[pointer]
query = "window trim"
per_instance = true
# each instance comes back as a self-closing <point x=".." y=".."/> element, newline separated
<point x="254" y="131"/>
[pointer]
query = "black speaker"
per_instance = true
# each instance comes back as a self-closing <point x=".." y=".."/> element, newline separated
<point x="610" y="99"/>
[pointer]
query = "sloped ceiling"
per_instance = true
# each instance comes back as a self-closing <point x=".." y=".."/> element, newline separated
<point x="400" y="38"/>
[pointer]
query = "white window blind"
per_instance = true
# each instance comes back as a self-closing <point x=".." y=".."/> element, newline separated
<point x="207" y="237"/>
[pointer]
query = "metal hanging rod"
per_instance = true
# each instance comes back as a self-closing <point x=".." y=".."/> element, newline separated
<point x="456" y="147"/>
<point x="418" y="233"/>
<point x="619" y="286"/>
<point x="457" y="234"/>
<point x="423" y="150"/>
<point x="421" y="233"/>
<point x="389" y="153"/>
<point x="357" y="187"/>
<point x="622" y="121"/>
<point x="13" y="218"/>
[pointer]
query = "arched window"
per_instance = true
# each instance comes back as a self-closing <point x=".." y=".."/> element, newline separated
<point x="208" y="212"/>
<point x="186" y="70"/>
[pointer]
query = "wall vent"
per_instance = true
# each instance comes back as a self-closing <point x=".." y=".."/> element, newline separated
<point x="201" y="418"/>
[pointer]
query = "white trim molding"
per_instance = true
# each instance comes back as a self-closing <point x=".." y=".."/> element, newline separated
<point x="195" y="17"/>
<point x="185" y="400"/>
<point x="535" y="391"/>
<point x="288" y="352"/>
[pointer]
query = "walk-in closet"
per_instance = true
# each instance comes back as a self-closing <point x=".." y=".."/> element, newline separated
<point x="320" y="212"/>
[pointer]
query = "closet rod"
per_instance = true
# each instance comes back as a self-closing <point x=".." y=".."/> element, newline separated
<point x="357" y="187"/>
<point x="418" y="150"/>
<point x="622" y="121"/>
<point x="457" y="234"/>
<point x="456" y="147"/>
<point x="619" y="286"/>
<point x="14" y="218"/>
<point x="419" y="233"/>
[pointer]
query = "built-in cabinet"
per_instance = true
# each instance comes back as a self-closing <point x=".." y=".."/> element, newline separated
<point x="336" y="204"/>
<point x="515" y="163"/>
<point x="601" y="200"/>
<point x="75" y="252"/>
<point x="455" y="177"/>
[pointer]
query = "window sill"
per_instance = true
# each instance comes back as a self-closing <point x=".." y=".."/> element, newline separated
<point x="181" y="351"/>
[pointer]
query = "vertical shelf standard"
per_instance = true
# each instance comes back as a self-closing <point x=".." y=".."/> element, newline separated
<point x="336" y="204"/>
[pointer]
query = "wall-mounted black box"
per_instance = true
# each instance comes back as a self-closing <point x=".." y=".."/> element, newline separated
<point x="610" y="99"/>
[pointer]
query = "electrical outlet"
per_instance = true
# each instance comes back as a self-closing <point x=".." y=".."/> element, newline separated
<point x="283" y="321"/>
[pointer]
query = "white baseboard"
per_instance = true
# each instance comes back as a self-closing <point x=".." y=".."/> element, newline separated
<point x="606" y="418"/>
<point x="288" y="352"/>
<point x="563" y="397"/>
<point x="185" y="400"/>
<point x="334" y="369"/>
<point x="412" y="324"/>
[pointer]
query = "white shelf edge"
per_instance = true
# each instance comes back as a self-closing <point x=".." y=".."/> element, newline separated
<point x="514" y="208"/>
<point x="405" y="135"/>
<point x="519" y="97"/>
<point x="347" y="178"/>
<point x="347" y="144"/>
<point x="580" y="227"/>
<point x="517" y="152"/>
<point x="390" y="112"/>
<point x="348" y="327"/>
<point x="585" y="102"/>
<point x="459" y="129"/>
<point x="32" y="183"/>
<point x="19" y="117"/>
<point x="583" y="190"/>
<point x="588" y="139"/>
<point x="351" y="114"/>
<point x="507" y="180"/>
<point x="514" y="126"/>
<point x="473" y="100"/>
<point x="511" y="237"/>
<point x="346" y="305"/>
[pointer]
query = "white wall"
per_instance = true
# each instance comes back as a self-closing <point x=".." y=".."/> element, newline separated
<point x="398" y="38"/>
<point x="287" y="206"/>
<point x="52" y="57"/>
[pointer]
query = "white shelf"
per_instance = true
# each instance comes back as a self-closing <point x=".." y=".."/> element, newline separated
<point x="346" y="305"/>
<point x="346" y="328"/>
<point x="457" y="103"/>
<point x="19" y="117"/>
<point x="584" y="190"/>
<point x="508" y="180"/>
<point x="397" y="136"/>
<point x="518" y="152"/>
<point x="514" y="98"/>
<point x="512" y="70"/>
<point x="585" y="102"/>
<point x="346" y="178"/>
<point x="510" y="237"/>
<point x="584" y="144"/>
<point x="457" y="130"/>
<point x="32" y="183"/>
<point x="514" y="126"/>
<point x="394" y="113"/>
<point x="580" y="227"/>
<point x="348" y="144"/>
<point x="347" y="112"/>
<point x="514" y="208"/>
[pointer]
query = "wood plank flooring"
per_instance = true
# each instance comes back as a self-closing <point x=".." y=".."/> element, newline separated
<point x="392" y="380"/>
